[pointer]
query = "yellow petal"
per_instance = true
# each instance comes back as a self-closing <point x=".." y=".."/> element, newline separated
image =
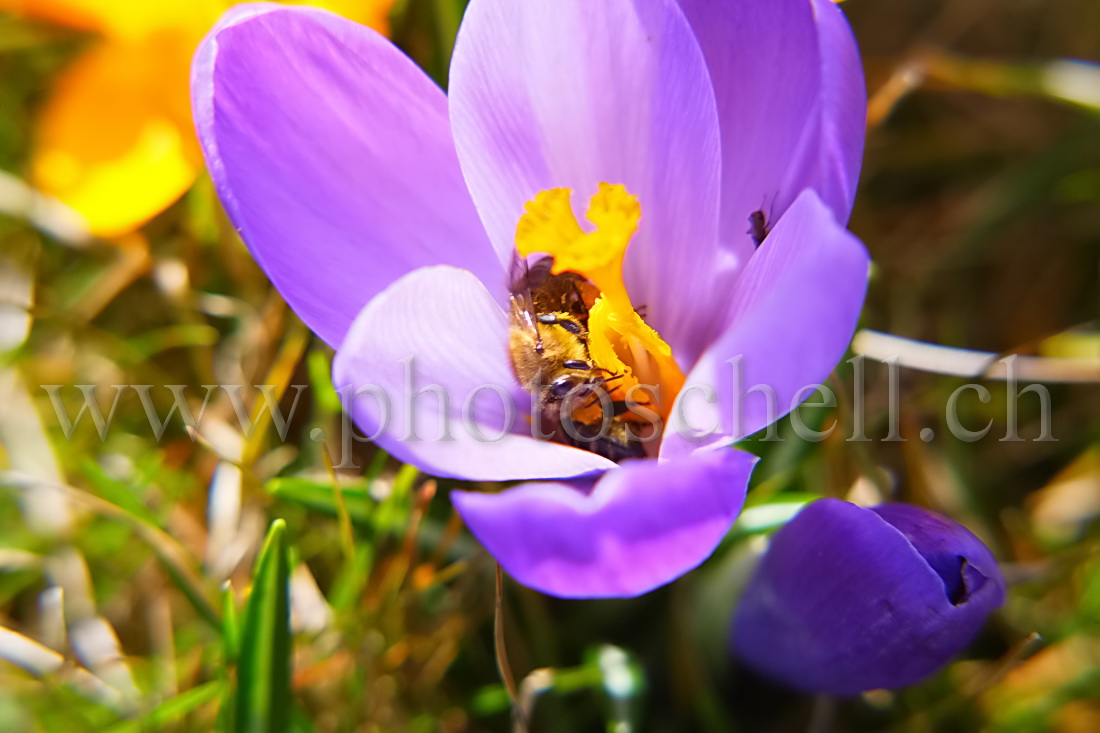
<point x="80" y="14"/>
<point x="121" y="18"/>
<point x="373" y="13"/>
<point x="114" y="140"/>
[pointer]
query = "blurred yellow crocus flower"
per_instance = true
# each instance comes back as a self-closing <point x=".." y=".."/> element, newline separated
<point x="114" y="140"/>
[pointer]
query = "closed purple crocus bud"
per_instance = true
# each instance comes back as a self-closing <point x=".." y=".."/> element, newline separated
<point x="849" y="599"/>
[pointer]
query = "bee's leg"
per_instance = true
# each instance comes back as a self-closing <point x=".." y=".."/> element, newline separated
<point x="592" y="391"/>
<point x="608" y="380"/>
<point x="601" y="385"/>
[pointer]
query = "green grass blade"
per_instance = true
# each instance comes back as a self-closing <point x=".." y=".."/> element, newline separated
<point x="321" y="497"/>
<point x="171" y="711"/>
<point x="231" y="626"/>
<point x="263" y="674"/>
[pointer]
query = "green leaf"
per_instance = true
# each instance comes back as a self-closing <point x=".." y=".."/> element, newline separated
<point x="353" y="575"/>
<point x="490" y="700"/>
<point x="115" y="492"/>
<point x="321" y="497"/>
<point x="263" y="673"/>
<point x="172" y="710"/>
<point x="771" y="514"/>
<point x="231" y="627"/>
<point x="320" y="370"/>
<point x="393" y="513"/>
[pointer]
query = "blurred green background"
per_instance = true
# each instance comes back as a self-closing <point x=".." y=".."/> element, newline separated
<point x="133" y="591"/>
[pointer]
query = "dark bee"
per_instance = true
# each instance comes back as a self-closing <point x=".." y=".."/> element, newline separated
<point x="549" y="331"/>
<point x="548" y="347"/>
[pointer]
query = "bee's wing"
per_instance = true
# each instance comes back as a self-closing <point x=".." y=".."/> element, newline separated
<point x="523" y="312"/>
<point x="524" y="315"/>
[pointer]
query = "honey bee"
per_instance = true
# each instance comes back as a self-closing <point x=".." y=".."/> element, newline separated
<point x="549" y="329"/>
<point x="548" y="347"/>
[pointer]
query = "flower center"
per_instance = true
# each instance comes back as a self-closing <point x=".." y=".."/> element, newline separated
<point x="619" y="341"/>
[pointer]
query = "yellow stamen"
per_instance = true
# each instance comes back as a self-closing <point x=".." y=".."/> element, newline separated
<point x="620" y="342"/>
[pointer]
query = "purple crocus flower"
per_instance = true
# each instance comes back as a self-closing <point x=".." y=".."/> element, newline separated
<point x="848" y="599"/>
<point x="387" y="213"/>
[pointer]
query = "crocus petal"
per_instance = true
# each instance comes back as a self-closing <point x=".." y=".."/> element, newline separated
<point x="332" y="154"/>
<point x="792" y="314"/>
<point x="441" y="326"/>
<point x="571" y="93"/>
<point x="639" y="527"/>
<point x="832" y="148"/>
<point x="844" y="602"/>
<point x="941" y="542"/>
<point x="791" y="102"/>
<point x="114" y="139"/>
